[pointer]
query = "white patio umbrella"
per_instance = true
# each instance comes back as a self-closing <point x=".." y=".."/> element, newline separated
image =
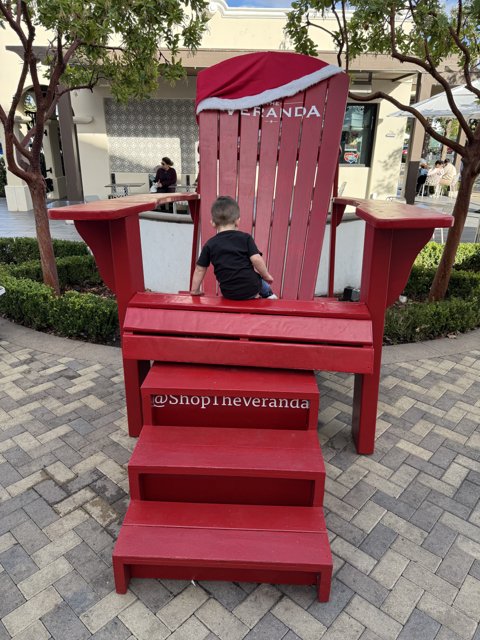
<point x="438" y="107"/>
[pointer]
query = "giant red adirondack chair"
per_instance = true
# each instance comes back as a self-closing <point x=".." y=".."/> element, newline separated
<point x="227" y="477"/>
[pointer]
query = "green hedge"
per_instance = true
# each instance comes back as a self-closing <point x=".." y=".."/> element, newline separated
<point x="460" y="311"/>
<point x="72" y="270"/>
<point x="19" y="250"/>
<point x="29" y="302"/>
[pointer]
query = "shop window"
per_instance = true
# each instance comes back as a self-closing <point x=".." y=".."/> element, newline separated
<point x="357" y="134"/>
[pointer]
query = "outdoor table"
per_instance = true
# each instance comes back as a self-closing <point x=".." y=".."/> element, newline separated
<point x="122" y="185"/>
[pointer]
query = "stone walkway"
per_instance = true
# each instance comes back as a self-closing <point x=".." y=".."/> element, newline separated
<point x="404" y="523"/>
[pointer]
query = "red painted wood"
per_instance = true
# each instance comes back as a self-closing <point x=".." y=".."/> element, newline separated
<point x="304" y="187"/>
<point x="208" y="132"/>
<point x="117" y="207"/>
<point x="228" y="153"/>
<point x="286" y="169"/>
<point x="258" y="326"/>
<point x="247" y="168"/>
<point x="248" y="353"/>
<point x="182" y="541"/>
<point x="293" y="492"/>
<point x="206" y="396"/>
<point x="320" y="307"/>
<point x="97" y="237"/>
<point x="327" y="162"/>
<point x="392" y="215"/>
<point x="267" y="166"/>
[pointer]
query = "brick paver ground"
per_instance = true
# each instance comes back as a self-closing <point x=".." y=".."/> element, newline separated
<point x="404" y="523"/>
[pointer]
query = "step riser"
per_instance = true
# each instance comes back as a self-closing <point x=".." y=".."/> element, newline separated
<point x="124" y="572"/>
<point x="221" y="411"/>
<point x="226" y="489"/>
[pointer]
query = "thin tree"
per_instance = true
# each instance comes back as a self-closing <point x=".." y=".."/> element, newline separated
<point x="89" y="40"/>
<point x="425" y="33"/>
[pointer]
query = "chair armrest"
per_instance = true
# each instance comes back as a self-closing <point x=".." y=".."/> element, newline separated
<point x="396" y="215"/>
<point x="117" y="208"/>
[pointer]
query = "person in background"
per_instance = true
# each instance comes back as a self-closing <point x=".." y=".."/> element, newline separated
<point x="449" y="174"/>
<point x="166" y="180"/>
<point x="433" y="177"/>
<point x="422" y="175"/>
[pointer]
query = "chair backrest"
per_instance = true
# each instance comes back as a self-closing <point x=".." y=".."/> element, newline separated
<point x="278" y="160"/>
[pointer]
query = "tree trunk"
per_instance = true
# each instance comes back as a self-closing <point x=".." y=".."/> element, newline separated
<point x="460" y="211"/>
<point x="47" y="257"/>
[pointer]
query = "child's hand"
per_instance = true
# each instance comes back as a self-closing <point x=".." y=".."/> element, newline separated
<point x="197" y="292"/>
<point x="268" y="278"/>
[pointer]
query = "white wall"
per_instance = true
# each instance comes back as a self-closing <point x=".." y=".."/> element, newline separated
<point x="167" y="247"/>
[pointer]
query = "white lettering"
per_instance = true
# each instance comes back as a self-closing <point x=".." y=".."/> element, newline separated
<point x="247" y="401"/>
<point x="185" y="400"/>
<point x="237" y="402"/>
<point x="245" y="112"/>
<point x="264" y="402"/>
<point x="283" y="403"/>
<point x="300" y="111"/>
<point x="215" y="401"/>
<point x="313" y="112"/>
<point x="195" y="400"/>
<point x="205" y="401"/>
<point x="287" y="112"/>
<point x="305" y="404"/>
<point x="256" y="111"/>
<point x="294" y="404"/>
<point x="271" y="113"/>
<point x="256" y="402"/>
<point x="227" y="401"/>
<point x="173" y="399"/>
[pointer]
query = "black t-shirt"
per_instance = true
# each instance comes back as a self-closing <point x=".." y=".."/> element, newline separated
<point x="229" y="252"/>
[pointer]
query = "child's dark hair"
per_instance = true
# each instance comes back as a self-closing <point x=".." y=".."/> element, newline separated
<point x="225" y="210"/>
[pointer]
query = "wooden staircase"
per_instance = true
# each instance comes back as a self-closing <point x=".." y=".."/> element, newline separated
<point x="226" y="480"/>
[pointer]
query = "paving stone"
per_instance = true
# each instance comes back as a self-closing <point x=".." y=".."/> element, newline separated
<point x="268" y="628"/>
<point x="182" y="606"/>
<point x="142" y="622"/>
<point x="378" y="541"/>
<point x="76" y="592"/>
<point x="62" y="623"/>
<point x="468" y="598"/>
<point x="113" y="630"/>
<point x="105" y="610"/>
<point x="256" y="605"/>
<point x="369" y="616"/>
<point x="30" y="536"/>
<point x="27" y="613"/>
<point x="419" y="625"/>
<point x="300" y="622"/>
<point x="10" y="596"/>
<point x="448" y="616"/>
<point x="17" y="563"/>
<point x="227" y="593"/>
<point x="440" y="539"/>
<point x="362" y="584"/>
<point x="327" y="612"/>
<point x="51" y="492"/>
<point x="426" y="516"/>
<point x="402" y="600"/>
<point x="345" y="529"/>
<point x="41" y="512"/>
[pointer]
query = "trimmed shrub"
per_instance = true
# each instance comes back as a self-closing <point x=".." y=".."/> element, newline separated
<point x="18" y="250"/>
<point x="86" y="316"/>
<point x="71" y="270"/>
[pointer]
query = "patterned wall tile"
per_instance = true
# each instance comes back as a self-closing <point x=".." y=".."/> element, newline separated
<point x="140" y="133"/>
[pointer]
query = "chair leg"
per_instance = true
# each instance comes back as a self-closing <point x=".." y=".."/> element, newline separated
<point x="324" y="582"/>
<point x="134" y="372"/>
<point x="364" y="419"/>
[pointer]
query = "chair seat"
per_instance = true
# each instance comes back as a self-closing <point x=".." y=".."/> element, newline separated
<point x="330" y="335"/>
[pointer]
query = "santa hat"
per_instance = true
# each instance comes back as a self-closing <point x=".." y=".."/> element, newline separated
<point x="254" y="79"/>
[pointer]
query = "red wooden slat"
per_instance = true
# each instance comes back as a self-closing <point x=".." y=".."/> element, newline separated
<point x="247" y="353"/>
<point x="175" y="378"/>
<point x="202" y="547"/>
<point x="208" y="127"/>
<point x="393" y="215"/>
<point x="267" y="168"/>
<point x="247" y="170"/>
<point x="228" y="154"/>
<point x="320" y="307"/>
<point x="306" y="169"/>
<point x="287" y="161"/>
<point x="243" y="325"/>
<point x="221" y="516"/>
<point x="327" y="162"/>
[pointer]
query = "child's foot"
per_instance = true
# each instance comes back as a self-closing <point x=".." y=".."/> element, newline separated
<point x="272" y="297"/>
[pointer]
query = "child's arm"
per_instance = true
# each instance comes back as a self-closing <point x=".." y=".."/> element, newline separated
<point x="260" y="267"/>
<point x="198" y="276"/>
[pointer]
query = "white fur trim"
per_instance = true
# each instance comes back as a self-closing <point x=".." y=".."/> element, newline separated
<point x="289" y="89"/>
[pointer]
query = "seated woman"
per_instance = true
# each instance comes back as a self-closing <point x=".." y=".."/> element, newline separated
<point x="433" y="178"/>
<point x="166" y="179"/>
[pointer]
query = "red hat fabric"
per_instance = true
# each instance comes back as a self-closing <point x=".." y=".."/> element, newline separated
<point x="258" y="78"/>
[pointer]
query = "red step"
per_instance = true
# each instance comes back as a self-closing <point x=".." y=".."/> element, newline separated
<point x="244" y="466"/>
<point x="188" y="541"/>
<point x="242" y="397"/>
